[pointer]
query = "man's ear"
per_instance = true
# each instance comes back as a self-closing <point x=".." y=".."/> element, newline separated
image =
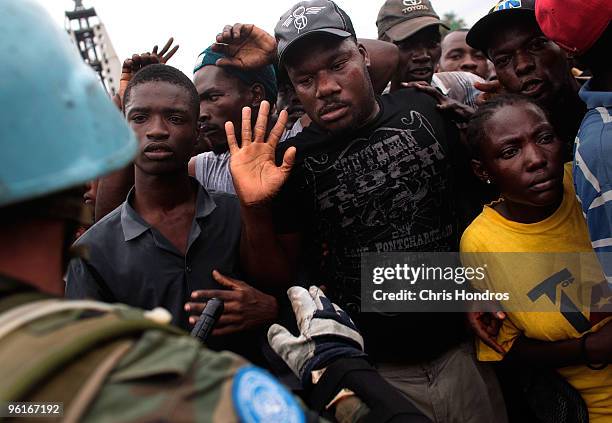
<point x="364" y="53"/>
<point x="480" y="171"/>
<point x="258" y="94"/>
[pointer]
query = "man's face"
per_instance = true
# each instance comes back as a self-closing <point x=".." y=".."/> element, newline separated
<point x="331" y="81"/>
<point x="419" y="54"/>
<point x="523" y="156"/>
<point x="527" y="63"/>
<point x="222" y="97"/>
<point x="288" y="99"/>
<point x="165" y="125"/>
<point x="458" y="56"/>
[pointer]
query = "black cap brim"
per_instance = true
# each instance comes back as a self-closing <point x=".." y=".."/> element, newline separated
<point x="479" y="36"/>
<point x="332" y="31"/>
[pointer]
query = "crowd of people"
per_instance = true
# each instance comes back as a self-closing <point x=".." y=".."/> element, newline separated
<point x="261" y="180"/>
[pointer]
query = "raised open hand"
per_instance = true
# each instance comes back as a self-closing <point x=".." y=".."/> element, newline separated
<point x="257" y="179"/>
<point x="246" y="46"/>
<point x="139" y="61"/>
<point x="165" y="54"/>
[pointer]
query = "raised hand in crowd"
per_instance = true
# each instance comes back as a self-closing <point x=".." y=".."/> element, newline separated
<point x="138" y="61"/>
<point x="246" y="45"/>
<point x="256" y="176"/>
<point x="457" y="111"/>
<point x="244" y="306"/>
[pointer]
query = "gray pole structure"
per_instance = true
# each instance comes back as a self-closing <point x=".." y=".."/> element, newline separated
<point x="91" y="39"/>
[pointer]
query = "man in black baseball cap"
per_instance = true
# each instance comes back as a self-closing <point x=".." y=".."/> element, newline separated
<point x="370" y="174"/>
<point x="308" y="18"/>
<point x="528" y="63"/>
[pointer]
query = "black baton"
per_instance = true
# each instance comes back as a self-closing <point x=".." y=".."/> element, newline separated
<point x="208" y="319"/>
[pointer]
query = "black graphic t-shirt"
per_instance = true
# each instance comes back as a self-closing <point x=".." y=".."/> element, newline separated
<point x="384" y="187"/>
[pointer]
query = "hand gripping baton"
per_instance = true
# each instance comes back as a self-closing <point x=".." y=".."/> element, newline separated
<point x="208" y="319"/>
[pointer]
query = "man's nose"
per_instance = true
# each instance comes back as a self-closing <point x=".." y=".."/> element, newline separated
<point x="421" y="55"/>
<point x="468" y="65"/>
<point x="326" y="86"/>
<point x="158" y="129"/>
<point x="523" y="63"/>
<point x="204" y="113"/>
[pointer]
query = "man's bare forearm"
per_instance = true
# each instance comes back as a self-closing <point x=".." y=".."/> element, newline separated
<point x="264" y="258"/>
<point x="546" y="353"/>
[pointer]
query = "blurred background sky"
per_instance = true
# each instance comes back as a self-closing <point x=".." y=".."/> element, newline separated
<point x="135" y="26"/>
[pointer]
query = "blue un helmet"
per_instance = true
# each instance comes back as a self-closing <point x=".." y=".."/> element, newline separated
<point x="58" y="127"/>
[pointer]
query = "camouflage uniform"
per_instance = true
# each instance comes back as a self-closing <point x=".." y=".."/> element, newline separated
<point x="146" y="371"/>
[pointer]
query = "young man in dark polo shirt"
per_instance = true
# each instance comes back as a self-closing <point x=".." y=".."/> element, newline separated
<point x="528" y="63"/>
<point x="370" y="174"/>
<point x="166" y="239"/>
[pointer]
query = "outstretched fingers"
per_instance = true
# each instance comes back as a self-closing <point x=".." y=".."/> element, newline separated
<point x="279" y="128"/>
<point x="232" y="142"/>
<point x="246" y="127"/>
<point x="169" y="55"/>
<point x="288" y="160"/>
<point x="262" y="122"/>
<point x="165" y="47"/>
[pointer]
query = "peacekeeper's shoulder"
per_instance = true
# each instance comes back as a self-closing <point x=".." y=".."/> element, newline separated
<point x="168" y="378"/>
<point x="175" y="379"/>
<point x="116" y="363"/>
<point x="107" y="362"/>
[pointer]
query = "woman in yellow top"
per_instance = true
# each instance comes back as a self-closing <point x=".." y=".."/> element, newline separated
<point x="515" y="148"/>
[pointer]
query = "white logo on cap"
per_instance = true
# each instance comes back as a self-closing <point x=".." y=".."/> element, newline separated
<point x="413" y="5"/>
<point x="298" y="16"/>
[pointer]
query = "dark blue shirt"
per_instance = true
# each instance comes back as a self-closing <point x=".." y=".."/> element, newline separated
<point x="131" y="262"/>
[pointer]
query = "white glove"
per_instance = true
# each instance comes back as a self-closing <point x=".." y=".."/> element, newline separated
<point x="326" y="333"/>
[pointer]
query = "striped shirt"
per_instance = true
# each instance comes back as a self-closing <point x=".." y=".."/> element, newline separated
<point x="457" y="85"/>
<point x="593" y="172"/>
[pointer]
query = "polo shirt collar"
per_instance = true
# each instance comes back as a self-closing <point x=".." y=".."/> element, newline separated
<point x="204" y="203"/>
<point x="594" y="99"/>
<point x="133" y="225"/>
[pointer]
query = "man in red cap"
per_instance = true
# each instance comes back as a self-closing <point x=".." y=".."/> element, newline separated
<point x="583" y="28"/>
